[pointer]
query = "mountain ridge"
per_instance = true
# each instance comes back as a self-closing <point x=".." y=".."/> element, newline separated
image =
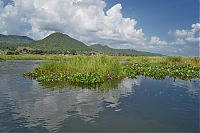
<point x="106" y="49"/>
<point x="14" y="39"/>
<point x="59" y="43"/>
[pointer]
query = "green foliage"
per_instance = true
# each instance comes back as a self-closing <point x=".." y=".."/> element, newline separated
<point x="95" y="71"/>
<point x="12" y="53"/>
<point x="173" y="59"/>
<point x="13" y="39"/>
<point x="79" y="70"/>
<point x="160" y="71"/>
<point x="11" y="42"/>
<point x="33" y="57"/>
<point x="58" y="43"/>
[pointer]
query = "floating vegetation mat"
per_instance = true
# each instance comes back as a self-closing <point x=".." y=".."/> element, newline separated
<point x="79" y="70"/>
<point x="160" y="71"/>
<point x="94" y="71"/>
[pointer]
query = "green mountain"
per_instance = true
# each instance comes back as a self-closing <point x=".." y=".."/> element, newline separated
<point x="59" y="43"/>
<point x="110" y="51"/>
<point x="14" y="39"/>
<point x="11" y="42"/>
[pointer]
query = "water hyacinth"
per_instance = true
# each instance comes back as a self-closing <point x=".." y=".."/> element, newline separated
<point x="89" y="71"/>
<point x="79" y="70"/>
<point x="161" y="71"/>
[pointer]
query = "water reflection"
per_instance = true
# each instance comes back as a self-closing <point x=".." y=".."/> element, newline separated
<point x="191" y="86"/>
<point x="30" y="106"/>
<point x="52" y="108"/>
<point x="40" y="106"/>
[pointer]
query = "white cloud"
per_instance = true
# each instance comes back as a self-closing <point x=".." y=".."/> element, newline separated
<point x="188" y="35"/>
<point x="156" y="40"/>
<point x="181" y="36"/>
<point x="178" y="41"/>
<point x="82" y="19"/>
<point x="86" y="21"/>
<point x="193" y="39"/>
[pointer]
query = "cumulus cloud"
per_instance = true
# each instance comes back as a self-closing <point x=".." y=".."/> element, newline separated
<point x="84" y="20"/>
<point x="181" y="36"/>
<point x="191" y="35"/>
<point x="87" y="21"/>
<point x="178" y="41"/>
<point x="156" y="40"/>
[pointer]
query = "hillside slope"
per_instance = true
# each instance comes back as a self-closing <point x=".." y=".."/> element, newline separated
<point x="14" y="39"/>
<point x="11" y="42"/>
<point x="59" y="42"/>
<point x="110" y="51"/>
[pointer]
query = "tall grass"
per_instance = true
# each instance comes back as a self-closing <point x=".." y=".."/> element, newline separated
<point x="84" y="70"/>
<point x="33" y="57"/>
<point x="165" y="60"/>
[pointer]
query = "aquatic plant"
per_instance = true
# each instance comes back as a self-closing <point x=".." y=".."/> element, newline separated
<point x="79" y="70"/>
<point x="94" y="71"/>
<point x="160" y="71"/>
<point x="1" y="59"/>
<point x="173" y="59"/>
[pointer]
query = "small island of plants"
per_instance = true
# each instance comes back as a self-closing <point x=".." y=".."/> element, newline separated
<point x="88" y="71"/>
<point x="79" y="70"/>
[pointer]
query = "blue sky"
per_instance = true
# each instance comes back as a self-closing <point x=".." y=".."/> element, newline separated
<point x="169" y="27"/>
<point x="157" y="17"/>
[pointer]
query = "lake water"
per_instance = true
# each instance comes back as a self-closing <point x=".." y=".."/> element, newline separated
<point x="130" y="105"/>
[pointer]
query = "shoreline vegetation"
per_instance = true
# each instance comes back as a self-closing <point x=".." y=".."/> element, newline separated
<point x="95" y="70"/>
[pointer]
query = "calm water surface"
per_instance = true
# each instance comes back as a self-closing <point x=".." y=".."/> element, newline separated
<point x="132" y="105"/>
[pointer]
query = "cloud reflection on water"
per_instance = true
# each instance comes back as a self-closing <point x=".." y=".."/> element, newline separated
<point x="34" y="105"/>
<point x="52" y="107"/>
<point x="191" y="86"/>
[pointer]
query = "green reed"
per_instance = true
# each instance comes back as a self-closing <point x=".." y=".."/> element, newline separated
<point x="79" y="70"/>
<point x="33" y="57"/>
<point x="92" y="72"/>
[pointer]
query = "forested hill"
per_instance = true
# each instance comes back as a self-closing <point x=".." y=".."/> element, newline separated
<point x="59" y="43"/>
<point x="14" y="39"/>
<point x="11" y="42"/>
<point x="110" y="51"/>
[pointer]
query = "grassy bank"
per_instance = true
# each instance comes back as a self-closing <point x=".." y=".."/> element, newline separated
<point x="178" y="60"/>
<point x="95" y="70"/>
<point x="33" y="57"/>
